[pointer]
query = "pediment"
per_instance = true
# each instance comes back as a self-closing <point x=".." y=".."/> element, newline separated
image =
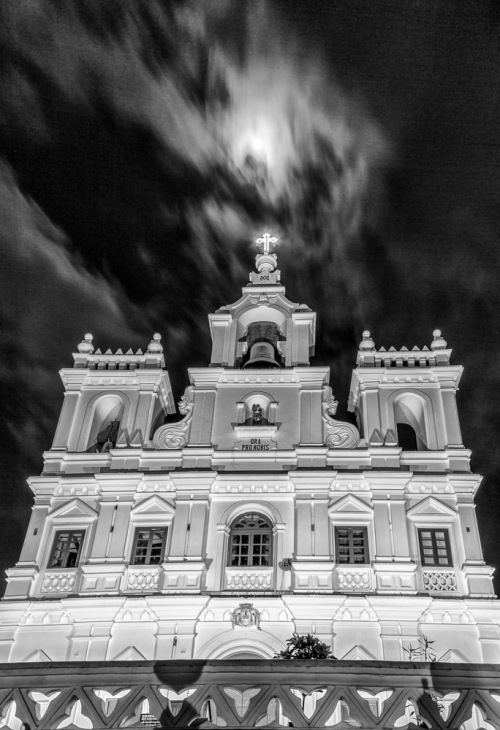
<point x="431" y="506"/>
<point x="75" y="509"/>
<point x="153" y="506"/>
<point x="352" y="504"/>
<point x="37" y="656"/>
<point x="130" y="654"/>
<point x="453" y="657"/>
<point x="359" y="653"/>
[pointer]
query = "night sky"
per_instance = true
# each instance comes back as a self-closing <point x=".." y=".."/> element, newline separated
<point x="145" y="144"/>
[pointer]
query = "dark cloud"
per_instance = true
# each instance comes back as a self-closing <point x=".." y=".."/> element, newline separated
<point x="147" y="142"/>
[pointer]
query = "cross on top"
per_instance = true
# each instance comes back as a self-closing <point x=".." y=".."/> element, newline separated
<point x="267" y="242"/>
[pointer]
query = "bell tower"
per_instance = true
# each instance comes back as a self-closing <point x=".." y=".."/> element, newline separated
<point x="407" y="398"/>
<point x="263" y="329"/>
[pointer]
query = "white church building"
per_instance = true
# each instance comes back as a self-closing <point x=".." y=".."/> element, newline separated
<point x="256" y="514"/>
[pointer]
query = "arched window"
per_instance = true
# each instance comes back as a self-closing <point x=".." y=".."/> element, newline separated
<point x="251" y="541"/>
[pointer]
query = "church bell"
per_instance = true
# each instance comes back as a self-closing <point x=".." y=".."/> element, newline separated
<point x="262" y="351"/>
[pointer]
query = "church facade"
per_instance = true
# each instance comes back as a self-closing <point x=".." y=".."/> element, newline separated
<point x="257" y="514"/>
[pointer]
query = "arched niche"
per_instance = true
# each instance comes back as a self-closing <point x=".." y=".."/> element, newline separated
<point x="412" y="423"/>
<point x="106" y="415"/>
<point x="257" y="405"/>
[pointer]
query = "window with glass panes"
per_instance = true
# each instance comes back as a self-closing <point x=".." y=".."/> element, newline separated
<point x="149" y="545"/>
<point x="66" y="548"/>
<point x="351" y="545"/>
<point x="251" y="541"/>
<point x="435" y="547"/>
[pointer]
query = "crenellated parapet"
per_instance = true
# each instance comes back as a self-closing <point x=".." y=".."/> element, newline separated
<point x="370" y="356"/>
<point x="89" y="358"/>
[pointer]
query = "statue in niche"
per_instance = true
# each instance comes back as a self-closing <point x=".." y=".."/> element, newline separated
<point x="256" y="415"/>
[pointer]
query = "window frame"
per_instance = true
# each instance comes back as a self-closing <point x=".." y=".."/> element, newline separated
<point x="151" y="530"/>
<point x="57" y="534"/>
<point x="366" y="544"/>
<point x="435" y="548"/>
<point x="251" y="533"/>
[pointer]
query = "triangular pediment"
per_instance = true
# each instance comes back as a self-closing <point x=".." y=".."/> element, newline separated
<point x="358" y="653"/>
<point x="37" y="656"/>
<point x="431" y="506"/>
<point x="130" y="654"/>
<point x="453" y="657"/>
<point x="76" y="508"/>
<point x="153" y="506"/>
<point x="351" y="503"/>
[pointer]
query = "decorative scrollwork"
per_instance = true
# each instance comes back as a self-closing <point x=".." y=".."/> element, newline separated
<point x="336" y="434"/>
<point x="175" y="435"/>
<point x="186" y="402"/>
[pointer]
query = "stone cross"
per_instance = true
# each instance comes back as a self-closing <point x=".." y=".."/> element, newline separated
<point x="265" y="243"/>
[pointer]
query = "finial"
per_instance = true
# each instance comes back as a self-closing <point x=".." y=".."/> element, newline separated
<point x="155" y="345"/>
<point x="86" y="347"/>
<point x="367" y="343"/>
<point x="265" y="243"/>
<point x="438" y="343"/>
<point x="265" y="262"/>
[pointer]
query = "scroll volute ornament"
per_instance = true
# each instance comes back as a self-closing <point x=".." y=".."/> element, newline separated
<point x="336" y="434"/>
<point x="175" y="435"/>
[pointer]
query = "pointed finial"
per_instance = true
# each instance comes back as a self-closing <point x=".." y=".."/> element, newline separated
<point x="367" y="343"/>
<point x="155" y="345"/>
<point x="86" y="347"/>
<point x="438" y="343"/>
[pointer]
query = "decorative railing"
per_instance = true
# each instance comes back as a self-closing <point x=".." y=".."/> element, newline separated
<point x="439" y="580"/>
<point x="249" y="579"/>
<point x="144" y="578"/>
<point x="250" y="693"/>
<point x="59" y="581"/>
<point x="353" y="578"/>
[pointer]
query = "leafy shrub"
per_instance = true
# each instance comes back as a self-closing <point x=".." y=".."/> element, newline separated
<point x="305" y="647"/>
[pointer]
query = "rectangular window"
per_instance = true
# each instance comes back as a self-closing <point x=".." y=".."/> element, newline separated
<point x="66" y="549"/>
<point x="435" y="547"/>
<point x="351" y="545"/>
<point x="149" y="545"/>
<point x="252" y="549"/>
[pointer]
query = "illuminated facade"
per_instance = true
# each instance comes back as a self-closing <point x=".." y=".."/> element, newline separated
<point x="258" y="514"/>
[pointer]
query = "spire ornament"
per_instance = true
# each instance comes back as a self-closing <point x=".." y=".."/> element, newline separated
<point x="265" y="262"/>
<point x="155" y="345"/>
<point x="438" y="342"/>
<point x="86" y="347"/>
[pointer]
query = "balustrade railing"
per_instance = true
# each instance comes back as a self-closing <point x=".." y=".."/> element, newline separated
<point x="249" y="579"/>
<point x="250" y="693"/>
<point x="60" y="581"/>
<point x="353" y="578"/>
<point x="439" y="580"/>
<point x="145" y="578"/>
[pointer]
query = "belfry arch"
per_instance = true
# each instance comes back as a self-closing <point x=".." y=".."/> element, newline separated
<point x="410" y="412"/>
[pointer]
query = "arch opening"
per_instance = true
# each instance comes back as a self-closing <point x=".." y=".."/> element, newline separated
<point x="409" y="417"/>
<point x="108" y="413"/>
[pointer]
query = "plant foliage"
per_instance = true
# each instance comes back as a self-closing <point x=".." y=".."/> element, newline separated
<point x="305" y="647"/>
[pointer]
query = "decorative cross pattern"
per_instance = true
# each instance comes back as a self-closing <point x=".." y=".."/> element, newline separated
<point x="266" y="243"/>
